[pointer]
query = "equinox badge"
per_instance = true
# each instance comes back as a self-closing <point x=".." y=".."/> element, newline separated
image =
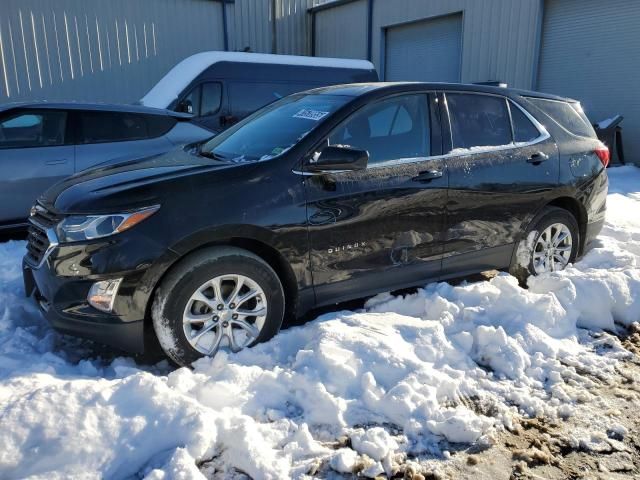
<point x="344" y="248"/>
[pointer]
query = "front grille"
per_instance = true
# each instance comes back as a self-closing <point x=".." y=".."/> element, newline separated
<point x="38" y="242"/>
<point x="42" y="216"/>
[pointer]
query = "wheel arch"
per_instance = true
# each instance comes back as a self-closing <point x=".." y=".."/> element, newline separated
<point x="578" y="211"/>
<point x="567" y="203"/>
<point x="258" y="247"/>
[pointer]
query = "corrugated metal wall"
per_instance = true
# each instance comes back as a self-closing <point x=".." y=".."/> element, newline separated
<point x="499" y="36"/>
<point x="591" y="51"/>
<point x="114" y="51"/>
<point x="250" y="25"/>
<point x="92" y="50"/>
<point x="341" y="31"/>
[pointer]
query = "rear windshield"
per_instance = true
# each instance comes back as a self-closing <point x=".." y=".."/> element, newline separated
<point x="274" y="129"/>
<point x="568" y="115"/>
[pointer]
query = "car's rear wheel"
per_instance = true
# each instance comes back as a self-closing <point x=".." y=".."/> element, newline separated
<point x="217" y="299"/>
<point x="550" y="244"/>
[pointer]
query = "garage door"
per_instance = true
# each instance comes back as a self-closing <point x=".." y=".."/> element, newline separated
<point x="427" y="51"/>
<point x="591" y="52"/>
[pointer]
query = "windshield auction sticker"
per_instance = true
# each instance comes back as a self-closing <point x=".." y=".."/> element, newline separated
<point x="314" y="115"/>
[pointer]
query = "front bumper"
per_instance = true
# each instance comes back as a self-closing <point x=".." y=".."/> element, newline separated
<point x="61" y="284"/>
<point x="64" y="305"/>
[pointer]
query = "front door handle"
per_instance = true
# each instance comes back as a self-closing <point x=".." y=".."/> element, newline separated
<point x="537" y="158"/>
<point x="427" y="176"/>
<point x="60" y="161"/>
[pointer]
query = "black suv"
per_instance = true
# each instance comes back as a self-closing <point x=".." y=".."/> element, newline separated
<point x="327" y="195"/>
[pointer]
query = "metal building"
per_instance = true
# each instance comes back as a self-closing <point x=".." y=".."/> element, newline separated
<point x="585" y="49"/>
<point x="92" y="50"/>
<point x="116" y="50"/>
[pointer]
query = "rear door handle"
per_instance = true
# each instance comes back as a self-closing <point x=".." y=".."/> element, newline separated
<point x="427" y="176"/>
<point x="56" y="162"/>
<point x="537" y="158"/>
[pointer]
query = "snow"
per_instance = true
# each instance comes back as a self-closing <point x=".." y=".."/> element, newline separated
<point x="486" y="148"/>
<point x="181" y="75"/>
<point x="602" y="124"/>
<point x="351" y="390"/>
<point x="344" y="460"/>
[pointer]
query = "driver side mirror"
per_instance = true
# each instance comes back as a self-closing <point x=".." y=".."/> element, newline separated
<point x="339" y="158"/>
<point x="185" y="106"/>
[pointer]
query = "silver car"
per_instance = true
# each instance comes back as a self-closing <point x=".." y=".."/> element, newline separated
<point x="42" y="143"/>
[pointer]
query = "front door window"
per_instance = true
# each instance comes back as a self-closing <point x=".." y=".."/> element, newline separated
<point x="393" y="129"/>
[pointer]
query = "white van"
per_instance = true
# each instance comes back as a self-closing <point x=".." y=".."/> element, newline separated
<point x="220" y="88"/>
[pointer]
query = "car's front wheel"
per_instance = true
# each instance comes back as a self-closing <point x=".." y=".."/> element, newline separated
<point x="217" y="299"/>
<point x="550" y="244"/>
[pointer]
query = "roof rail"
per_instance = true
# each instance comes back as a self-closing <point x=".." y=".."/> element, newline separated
<point x="493" y="83"/>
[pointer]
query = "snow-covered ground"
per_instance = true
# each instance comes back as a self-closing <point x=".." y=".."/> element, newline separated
<point x="406" y="377"/>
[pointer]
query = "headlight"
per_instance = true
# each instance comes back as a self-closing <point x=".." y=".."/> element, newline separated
<point x="77" y="228"/>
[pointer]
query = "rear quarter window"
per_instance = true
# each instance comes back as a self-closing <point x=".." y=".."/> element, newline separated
<point x="568" y="115"/>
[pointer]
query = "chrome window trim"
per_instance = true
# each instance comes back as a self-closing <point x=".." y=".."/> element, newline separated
<point x="513" y="130"/>
<point x="544" y="135"/>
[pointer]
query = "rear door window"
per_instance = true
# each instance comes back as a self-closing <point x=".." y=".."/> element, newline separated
<point x="523" y="129"/>
<point x="392" y="129"/>
<point x="568" y="115"/>
<point x="33" y="128"/>
<point x="478" y="120"/>
<point x="101" y="127"/>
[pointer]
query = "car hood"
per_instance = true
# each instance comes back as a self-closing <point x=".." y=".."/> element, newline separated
<point x="129" y="185"/>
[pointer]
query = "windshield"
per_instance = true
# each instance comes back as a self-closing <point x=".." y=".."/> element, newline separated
<point x="274" y="129"/>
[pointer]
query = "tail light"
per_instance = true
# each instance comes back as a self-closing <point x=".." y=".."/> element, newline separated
<point x="603" y="154"/>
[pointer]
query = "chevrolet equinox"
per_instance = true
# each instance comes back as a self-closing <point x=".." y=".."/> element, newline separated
<point x="323" y="196"/>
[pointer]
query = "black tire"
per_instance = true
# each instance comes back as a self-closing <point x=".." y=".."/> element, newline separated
<point x="522" y="266"/>
<point x="192" y="272"/>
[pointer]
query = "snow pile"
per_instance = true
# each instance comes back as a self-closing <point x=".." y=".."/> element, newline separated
<point x="351" y="391"/>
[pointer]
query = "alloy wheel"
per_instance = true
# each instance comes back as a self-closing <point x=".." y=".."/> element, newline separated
<point x="553" y="248"/>
<point x="227" y="311"/>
